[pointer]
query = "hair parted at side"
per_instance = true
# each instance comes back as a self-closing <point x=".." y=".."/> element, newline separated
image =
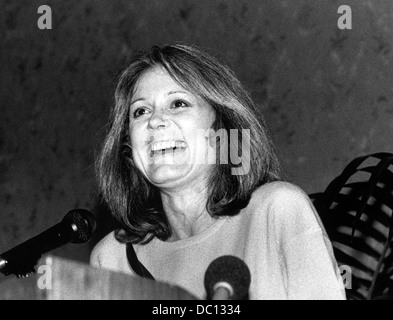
<point x="134" y="201"/>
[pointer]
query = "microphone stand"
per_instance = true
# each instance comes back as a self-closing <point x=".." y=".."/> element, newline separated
<point x="3" y="263"/>
<point x="222" y="291"/>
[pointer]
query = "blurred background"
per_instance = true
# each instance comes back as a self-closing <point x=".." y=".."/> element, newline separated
<point x="326" y="93"/>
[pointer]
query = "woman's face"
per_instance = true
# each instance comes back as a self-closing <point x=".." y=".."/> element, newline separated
<point x="169" y="131"/>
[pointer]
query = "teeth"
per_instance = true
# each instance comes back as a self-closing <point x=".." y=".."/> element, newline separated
<point x="162" y="145"/>
<point x="180" y="144"/>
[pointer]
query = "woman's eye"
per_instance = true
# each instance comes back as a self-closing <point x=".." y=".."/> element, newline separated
<point x="139" y="112"/>
<point x="180" y="104"/>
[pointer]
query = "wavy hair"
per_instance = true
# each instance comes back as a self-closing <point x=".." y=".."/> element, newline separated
<point x="133" y="200"/>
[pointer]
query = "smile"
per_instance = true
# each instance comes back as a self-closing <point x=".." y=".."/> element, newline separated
<point x="166" y="147"/>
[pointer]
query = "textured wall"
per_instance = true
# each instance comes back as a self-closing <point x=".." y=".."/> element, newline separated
<point x="326" y="93"/>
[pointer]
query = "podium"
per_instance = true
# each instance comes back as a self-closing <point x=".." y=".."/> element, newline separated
<point x="61" y="279"/>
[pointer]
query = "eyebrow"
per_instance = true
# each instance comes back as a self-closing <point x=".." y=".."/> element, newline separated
<point x="133" y="101"/>
<point x="177" y="91"/>
<point x="169" y="93"/>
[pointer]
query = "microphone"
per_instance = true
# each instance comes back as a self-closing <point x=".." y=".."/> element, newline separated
<point x="77" y="226"/>
<point x="227" y="278"/>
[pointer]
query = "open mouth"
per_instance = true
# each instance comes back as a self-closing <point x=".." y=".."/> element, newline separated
<point x="166" y="147"/>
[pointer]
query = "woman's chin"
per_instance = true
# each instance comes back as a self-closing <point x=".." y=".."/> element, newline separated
<point x="166" y="175"/>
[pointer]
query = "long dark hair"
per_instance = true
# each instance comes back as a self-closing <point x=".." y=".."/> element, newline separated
<point x="133" y="200"/>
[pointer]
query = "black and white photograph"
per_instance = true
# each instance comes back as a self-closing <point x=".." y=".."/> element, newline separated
<point x="214" y="151"/>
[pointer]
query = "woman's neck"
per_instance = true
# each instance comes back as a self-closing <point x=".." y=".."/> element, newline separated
<point x="186" y="212"/>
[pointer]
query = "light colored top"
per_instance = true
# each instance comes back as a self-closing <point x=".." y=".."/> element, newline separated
<point x="279" y="236"/>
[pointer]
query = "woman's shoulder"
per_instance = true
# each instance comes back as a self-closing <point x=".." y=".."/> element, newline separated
<point x="279" y="191"/>
<point x="284" y="204"/>
<point x="107" y="246"/>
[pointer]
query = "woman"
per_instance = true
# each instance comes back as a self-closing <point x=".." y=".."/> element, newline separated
<point x="170" y="172"/>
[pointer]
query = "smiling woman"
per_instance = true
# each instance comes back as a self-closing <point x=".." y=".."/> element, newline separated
<point x="176" y="89"/>
<point x="164" y="120"/>
<point x="180" y="206"/>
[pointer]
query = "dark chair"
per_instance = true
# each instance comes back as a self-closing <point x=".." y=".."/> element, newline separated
<point x="357" y="211"/>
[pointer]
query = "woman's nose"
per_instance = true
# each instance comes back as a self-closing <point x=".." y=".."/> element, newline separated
<point x="157" y="119"/>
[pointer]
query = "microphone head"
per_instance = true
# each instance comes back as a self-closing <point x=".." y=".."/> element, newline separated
<point x="230" y="270"/>
<point x="83" y="224"/>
